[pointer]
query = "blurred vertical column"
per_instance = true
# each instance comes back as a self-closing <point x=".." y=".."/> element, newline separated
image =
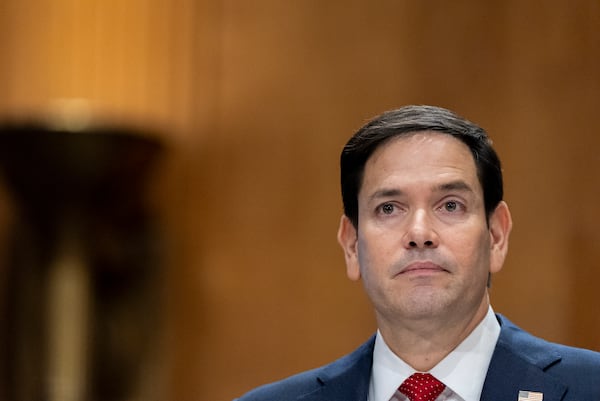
<point x="82" y="290"/>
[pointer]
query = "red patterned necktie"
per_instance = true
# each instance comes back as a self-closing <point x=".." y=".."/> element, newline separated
<point x="422" y="387"/>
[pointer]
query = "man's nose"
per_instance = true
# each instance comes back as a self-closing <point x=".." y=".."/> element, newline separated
<point x="420" y="232"/>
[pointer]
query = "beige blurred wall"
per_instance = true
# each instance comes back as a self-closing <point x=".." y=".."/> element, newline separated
<point x="256" y="99"/>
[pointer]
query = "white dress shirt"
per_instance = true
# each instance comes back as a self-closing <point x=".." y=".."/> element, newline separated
<point x="463" y="371"/>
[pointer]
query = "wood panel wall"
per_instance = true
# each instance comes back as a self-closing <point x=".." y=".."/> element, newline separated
<point x="255" y="101"/>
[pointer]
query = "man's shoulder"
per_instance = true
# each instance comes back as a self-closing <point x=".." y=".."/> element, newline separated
<point x="287" y="389"/>
<point x="522" y="359"/>
<point x="536" y="349"/>
<point x="524" y="362"/>
<point x="312" y="381"/>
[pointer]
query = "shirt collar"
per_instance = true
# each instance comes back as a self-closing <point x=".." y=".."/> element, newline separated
<point x="463" y="370"/>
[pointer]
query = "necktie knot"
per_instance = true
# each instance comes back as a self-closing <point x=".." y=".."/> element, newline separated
<point x="422" y="387"/>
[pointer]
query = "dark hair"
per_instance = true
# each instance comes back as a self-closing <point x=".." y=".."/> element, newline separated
<point x="406" y="121"/>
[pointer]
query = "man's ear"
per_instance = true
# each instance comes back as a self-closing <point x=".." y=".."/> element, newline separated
<point x="348" y="238"/>
<point x="500" y="225"/>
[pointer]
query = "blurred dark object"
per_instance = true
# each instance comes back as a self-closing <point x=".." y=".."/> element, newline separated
<point x="82" y="282"/>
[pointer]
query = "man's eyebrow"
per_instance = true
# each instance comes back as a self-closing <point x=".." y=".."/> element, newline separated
<point x="455" y="186"/>
<point x="385" y="193"/>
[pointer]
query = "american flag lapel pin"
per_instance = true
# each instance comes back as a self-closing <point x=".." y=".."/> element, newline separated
<point x="530" y="396"/>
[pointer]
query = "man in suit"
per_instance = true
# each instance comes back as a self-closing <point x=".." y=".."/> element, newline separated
<point x="424" y="228"/>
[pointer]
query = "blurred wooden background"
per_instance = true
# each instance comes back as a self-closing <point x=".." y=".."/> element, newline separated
<point x="256" y="99"/>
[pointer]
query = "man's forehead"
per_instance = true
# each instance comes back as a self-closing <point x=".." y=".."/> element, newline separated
<point x="426" y="147"/>
<point x="439" y="160"/>
<point x="424" y="139"/>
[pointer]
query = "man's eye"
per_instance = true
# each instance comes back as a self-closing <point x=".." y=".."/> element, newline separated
<point x="451" y="206"/>
<point x="387" y="208"/>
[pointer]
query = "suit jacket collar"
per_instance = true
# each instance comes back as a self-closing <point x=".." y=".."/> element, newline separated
<point x="518" y="364"/>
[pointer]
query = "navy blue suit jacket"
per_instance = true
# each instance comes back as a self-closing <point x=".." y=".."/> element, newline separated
<point x="520" y="362"/>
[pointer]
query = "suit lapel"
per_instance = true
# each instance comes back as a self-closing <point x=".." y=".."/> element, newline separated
<point x="518" y="364"/>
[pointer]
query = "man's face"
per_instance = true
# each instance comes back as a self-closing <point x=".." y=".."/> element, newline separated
<point x="423" y="247"/>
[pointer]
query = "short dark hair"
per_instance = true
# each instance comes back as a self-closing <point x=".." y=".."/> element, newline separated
<point x="409" y="120"/>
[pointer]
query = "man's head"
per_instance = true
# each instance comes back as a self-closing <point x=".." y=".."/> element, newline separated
<point x="406" y="121"/>
<point x="424" y="223"/>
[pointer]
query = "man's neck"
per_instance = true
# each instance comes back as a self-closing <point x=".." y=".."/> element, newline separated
<point x="423" y="343"/>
